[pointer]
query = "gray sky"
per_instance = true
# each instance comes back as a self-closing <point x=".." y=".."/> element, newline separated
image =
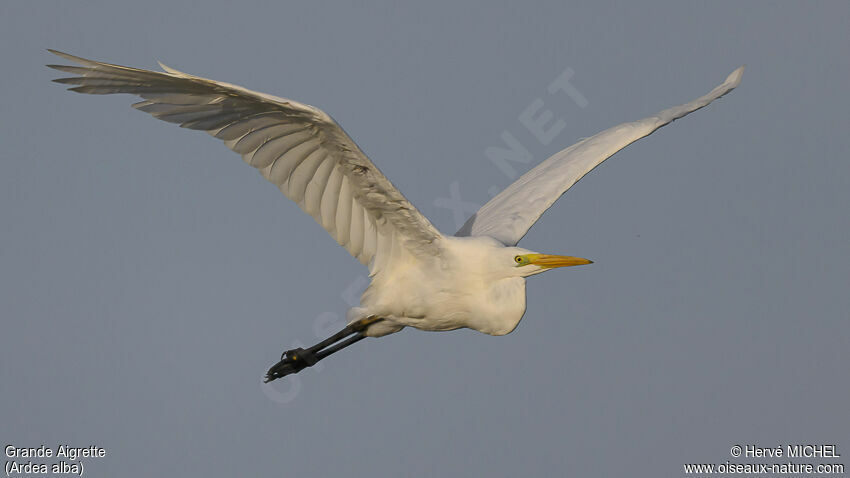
<point x="149" y="277"/>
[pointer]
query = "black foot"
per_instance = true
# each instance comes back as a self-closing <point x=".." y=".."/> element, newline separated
<point x="292" y="361"/>
<point x="296" y="360"/>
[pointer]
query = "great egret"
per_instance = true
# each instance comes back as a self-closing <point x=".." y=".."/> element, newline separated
<point x="420" y="277"/>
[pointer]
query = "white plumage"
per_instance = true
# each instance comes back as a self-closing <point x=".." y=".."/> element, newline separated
<point x="420" y="277"/>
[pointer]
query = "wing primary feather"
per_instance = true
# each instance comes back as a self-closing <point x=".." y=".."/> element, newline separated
<point x="287" y="163"/>
<point x="239" y="127"/>
<point x="343" y="213"/>
<point x="330" y="200"/>
<point x="356" y="229"/>
<point x="370" y="238"/>
<point x="316" y="187"/>
<point x="259" y="137"/>
<point x="300" y="177"/>
<point x="277" y="147"/>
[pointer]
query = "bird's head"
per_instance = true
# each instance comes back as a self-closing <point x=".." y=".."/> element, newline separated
<point x="524" y="263"/>
<point x="496" y="261"/>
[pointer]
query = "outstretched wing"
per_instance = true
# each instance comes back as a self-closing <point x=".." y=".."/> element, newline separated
<point x="299" y="148"/>
<point x="509" y="215"/>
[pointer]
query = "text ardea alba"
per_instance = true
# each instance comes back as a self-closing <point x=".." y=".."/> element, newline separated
<point x="420" y="277"/>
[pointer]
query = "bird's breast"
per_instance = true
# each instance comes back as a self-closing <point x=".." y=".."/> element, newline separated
<point x="436" y="301"/>
<point x="502" y="307"/>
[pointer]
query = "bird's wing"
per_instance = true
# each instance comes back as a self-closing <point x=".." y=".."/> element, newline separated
<point x="508" y="216"/>
<point x="299" y="148"/>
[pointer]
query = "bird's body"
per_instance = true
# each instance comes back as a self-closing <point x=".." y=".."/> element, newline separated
<point x="462" y="286"/>
<point x="421" y="277"/>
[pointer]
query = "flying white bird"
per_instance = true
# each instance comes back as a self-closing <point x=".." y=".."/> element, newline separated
<point x="420" y="277"/>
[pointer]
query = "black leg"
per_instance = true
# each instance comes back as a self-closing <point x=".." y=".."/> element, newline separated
<point x="296" y="360"/>
<point x="357" y="337"/>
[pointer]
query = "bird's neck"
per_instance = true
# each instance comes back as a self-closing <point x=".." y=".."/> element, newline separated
<point x="503" y="307"/>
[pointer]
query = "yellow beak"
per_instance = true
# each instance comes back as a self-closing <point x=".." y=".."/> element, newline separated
<point x="551" y="261"/>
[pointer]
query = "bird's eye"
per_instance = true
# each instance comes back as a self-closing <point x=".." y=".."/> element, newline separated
<point x="518" y="259"/>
